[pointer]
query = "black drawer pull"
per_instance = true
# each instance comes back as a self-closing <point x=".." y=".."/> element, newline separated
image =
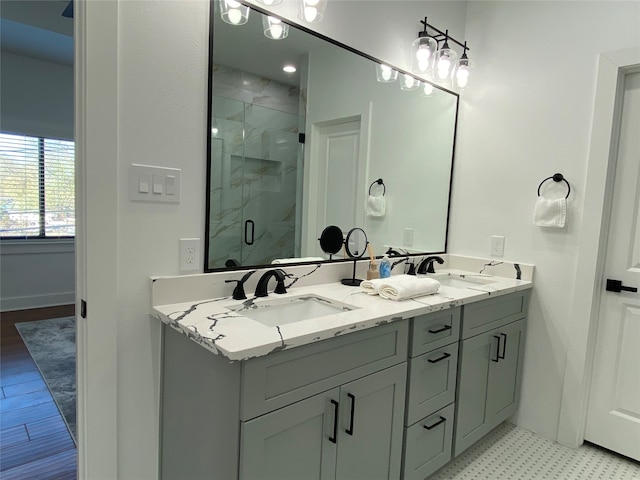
<point x="444" y="328"/>
<point x="497" y="359"/>
<point x="439" y="359"/>
<point x="442" y="420"/>
<point x="335" y="421"/>
<point x="353" y="407"/>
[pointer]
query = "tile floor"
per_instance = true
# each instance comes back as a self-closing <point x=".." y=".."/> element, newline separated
<point x="512" y="453"/>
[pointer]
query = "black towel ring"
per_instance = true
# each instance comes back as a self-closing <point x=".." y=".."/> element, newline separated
<point x="379" y="182"/>
<point x="558" y="177"/>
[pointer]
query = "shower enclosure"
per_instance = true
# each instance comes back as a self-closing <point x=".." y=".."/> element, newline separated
<point x="255" y="184"/>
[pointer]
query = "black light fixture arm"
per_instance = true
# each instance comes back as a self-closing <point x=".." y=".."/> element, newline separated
<point x="440" y="35"/>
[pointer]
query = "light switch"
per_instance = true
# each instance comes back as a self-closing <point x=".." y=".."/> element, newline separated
<point x="171" y="185"/>
<point x="143" y="183"/>
<point x="158" y="184"/>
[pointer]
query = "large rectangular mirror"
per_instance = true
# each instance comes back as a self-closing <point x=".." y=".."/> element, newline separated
<point x="291" y="153"/>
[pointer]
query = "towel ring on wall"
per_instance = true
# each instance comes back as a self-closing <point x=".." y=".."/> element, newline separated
<point x="558" y="177"/>
<point x="379" y="182"/>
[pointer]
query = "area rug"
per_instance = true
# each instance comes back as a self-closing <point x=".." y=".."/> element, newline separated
<point x="52" y="345"/>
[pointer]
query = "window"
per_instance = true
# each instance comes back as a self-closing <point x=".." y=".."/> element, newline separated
<point x="37" y="196"/>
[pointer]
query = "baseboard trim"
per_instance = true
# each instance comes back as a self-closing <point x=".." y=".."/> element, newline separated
<point x="37" y="301"/>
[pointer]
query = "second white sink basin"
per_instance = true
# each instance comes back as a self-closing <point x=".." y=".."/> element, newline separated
<point x="280" y="311"/>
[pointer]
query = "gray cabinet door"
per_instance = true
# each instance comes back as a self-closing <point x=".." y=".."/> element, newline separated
<point x="371" y="426"/>
<point x="293" y="443"/>
<point x="504" y="379"/>
<point x="473" y="384"/>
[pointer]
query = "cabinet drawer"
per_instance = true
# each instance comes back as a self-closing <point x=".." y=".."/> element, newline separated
<point x="434" y="330"/>
<point x="495" y="312"/>
<point x="279" y="379"/>
<point x="428" y="449"/>
<point x="432" y="382"/>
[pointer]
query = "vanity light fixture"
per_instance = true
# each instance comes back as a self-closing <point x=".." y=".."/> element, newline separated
<point x="312" y="10"/>
<point x="274" y="28"/>
<point x="409" y="83"/>
<point x="234" y="12"/>
<point x="440" y="60"/>
<point x="270" y="3"/>
<point x="289" y="69"/>
<point x="427" y="89"/>
<point x="385" y="74"/>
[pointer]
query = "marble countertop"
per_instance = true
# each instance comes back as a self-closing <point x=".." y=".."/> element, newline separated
<point x="216" y="326"/>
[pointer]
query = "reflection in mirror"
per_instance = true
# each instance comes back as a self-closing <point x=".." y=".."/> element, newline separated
<point x="291" y="153"/>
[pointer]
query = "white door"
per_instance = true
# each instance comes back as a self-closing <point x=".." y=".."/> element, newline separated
<point x="613" y="417"/>
<point x="339" y="174"/>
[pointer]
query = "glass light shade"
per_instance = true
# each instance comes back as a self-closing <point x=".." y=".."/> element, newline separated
<point x="461" y="75"/>
<point x="233" y="12"/>
<point x="274" y="28"/>
<point x="445" y="63"/>
<point x="426" y="89"/>
<point x="424" y="50"/>
<point x="270" y="3"/>
<point x="386" y="74"/>
<point x="409" y="83"/>
<point x="312" y="10"/>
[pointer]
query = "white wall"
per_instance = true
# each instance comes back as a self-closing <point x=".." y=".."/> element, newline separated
<point x="36" y="99"/>
<point x="526" y="115"/>
<point x="161" y="116"/>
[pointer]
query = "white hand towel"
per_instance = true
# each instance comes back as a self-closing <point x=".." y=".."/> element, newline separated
<point x="371" y="286"/>
<point x="376" y="206"/>
<point x="550" y="213"/>
<point x="402" y="287"/>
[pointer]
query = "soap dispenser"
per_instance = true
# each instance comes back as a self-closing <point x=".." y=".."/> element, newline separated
<point x="385" y="267"/>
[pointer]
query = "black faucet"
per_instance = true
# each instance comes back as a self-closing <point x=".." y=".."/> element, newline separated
<point x="426" y="266"/>
<point x="261" y="288"/>
<point x="238" y="292"/>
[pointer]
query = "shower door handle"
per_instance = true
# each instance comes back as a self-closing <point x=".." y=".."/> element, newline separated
<point x="249" y="223"/>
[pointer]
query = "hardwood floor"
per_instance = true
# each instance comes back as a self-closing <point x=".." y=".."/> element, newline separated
<point x="34" y="440"/>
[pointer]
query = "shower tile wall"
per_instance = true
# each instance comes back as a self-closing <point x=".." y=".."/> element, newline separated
<point x="255" y="169"/>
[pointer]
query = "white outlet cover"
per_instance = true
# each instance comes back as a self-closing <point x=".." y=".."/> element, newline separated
<point x="189" y="254"/>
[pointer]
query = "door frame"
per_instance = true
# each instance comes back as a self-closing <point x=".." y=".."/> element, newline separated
<point x="582" y="325"/>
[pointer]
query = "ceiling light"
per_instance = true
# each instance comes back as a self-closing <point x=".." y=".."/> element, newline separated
<point x="289" y="69"/>
<point x="274" y="28"/>
<point x="234" y="12"/>
<point x="385" y="74"/>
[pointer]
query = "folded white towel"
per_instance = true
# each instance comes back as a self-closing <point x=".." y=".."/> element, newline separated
<point x="376" y="206"/>
<point x="371" y="286"/>
<point x="297" y="260"/>
<point x="401" y="287"/>
<point x="550" y="212"/>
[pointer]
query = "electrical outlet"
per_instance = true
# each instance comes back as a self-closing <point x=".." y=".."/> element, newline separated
<point x="189" y="254"/>
<point x="497" y="246"/>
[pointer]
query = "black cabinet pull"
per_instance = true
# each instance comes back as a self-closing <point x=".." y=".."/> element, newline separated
<point x="444" y="328"/>
<point x="504" y="346"/>
<point x="246" y="234"/>
<point x="497" y="359"/>
<point x="616" y="286"/>
<point x="439" y="359"/>
<point x="442" y="420"/>
<point x="353" y="407"/>
<point x="336" y="409"/>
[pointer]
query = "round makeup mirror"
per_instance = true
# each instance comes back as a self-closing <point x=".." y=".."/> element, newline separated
<point x="355" y="245"/>
<point x="331" y="240"/>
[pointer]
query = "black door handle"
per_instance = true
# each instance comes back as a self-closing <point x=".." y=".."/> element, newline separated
<point x="353" y="407"/>
<point x="246" y="235"/>
<point x="336" y="408"/>
<point x="497" y="359"/>
<point x="504" y="346"/>
<point x="443" y="329"/>
<point x="616" y="286"/>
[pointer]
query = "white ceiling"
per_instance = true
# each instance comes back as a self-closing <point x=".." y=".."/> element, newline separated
<point x="36" y="28"/>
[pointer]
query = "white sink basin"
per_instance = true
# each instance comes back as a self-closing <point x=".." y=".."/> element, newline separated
<point x="288" y="309"/>
<point x="467" y="282"/>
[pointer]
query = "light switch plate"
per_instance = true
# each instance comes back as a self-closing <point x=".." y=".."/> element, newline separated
<point x="147" y="184"/>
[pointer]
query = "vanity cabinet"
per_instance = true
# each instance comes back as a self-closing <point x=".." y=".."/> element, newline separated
<point x="333" y="409"/>
<point x="354" y="431"/>
<point x="490" y="368"/>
